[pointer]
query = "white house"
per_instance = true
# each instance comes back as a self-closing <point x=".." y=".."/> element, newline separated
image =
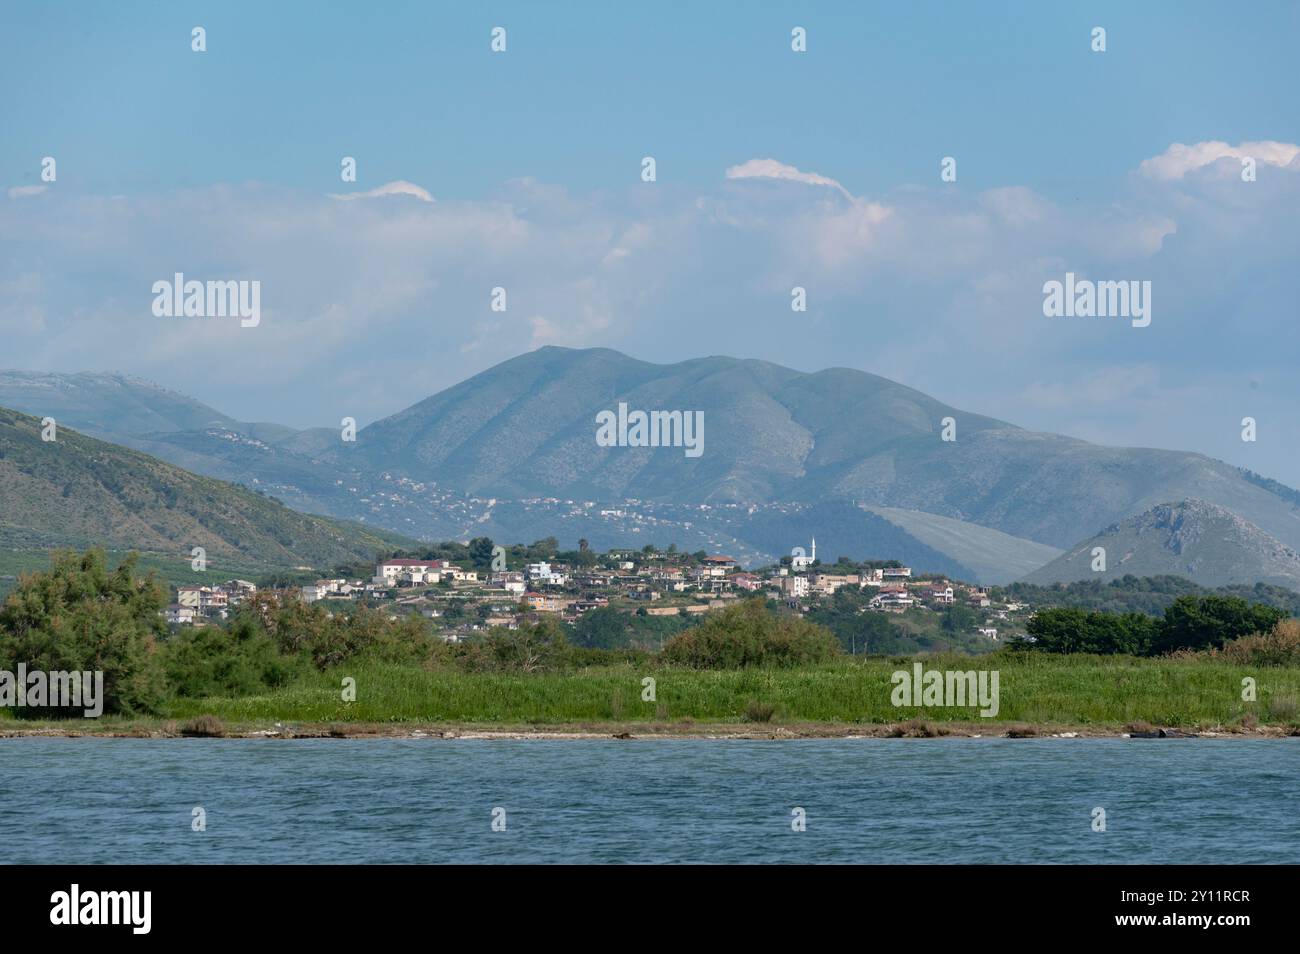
<point x="391" y="571"/>
<point x="315" y="591"/>
<point x="545" y="574"/>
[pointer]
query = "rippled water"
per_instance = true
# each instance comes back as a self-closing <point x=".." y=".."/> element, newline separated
<point x="868" y="800"/>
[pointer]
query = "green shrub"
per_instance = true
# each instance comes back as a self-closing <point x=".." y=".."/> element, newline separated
<point x="748" y="635"/>
<point x="537" y="647"/>
<point x="308" y="630"/>
<point x="78" y="616"/>
<point x="241" y="660"/>
<point x="1210" y="622"/>
<point x="1068" y="630"/>
<point x="1190" y="623"/>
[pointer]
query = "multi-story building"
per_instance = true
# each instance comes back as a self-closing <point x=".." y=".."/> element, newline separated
<point x="204" y="600"/>
<point x="893" y="597"/>
<point x="794" y="586"/>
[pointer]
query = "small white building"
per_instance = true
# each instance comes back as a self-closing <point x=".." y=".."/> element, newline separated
<point x="801" y="561"/>
<point x="314" y="591"/>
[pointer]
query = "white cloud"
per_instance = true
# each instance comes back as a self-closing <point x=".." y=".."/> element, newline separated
<point x="18" y="192"/>
<point x="1017" y="206"/>
<point x="376" y="304"/>
<point x="771" y="169"/>
<point x="398" y="187"/>
<point x="1180" y="159"/>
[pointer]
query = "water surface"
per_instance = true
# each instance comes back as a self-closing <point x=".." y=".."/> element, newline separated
<point x="432" y="801"/>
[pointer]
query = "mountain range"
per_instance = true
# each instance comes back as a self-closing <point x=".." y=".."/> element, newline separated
<point x="76" y="491"/>
<point x="854" y="458"/>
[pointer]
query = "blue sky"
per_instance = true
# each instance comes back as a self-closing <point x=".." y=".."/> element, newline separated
<point x="1012" y="88"/>
<point x="222" y="164"/>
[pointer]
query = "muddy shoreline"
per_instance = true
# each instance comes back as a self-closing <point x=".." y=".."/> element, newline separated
<point x="636" y="731"/>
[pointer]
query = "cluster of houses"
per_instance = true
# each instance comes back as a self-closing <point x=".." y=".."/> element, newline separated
<point x="893" y="589"/>
<point x="655" y="584"/>
<point x="197" y="603"/>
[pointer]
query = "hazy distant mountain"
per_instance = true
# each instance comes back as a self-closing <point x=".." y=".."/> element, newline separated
<point x="485" y="455"/>
<point x="105" y="403"/>
<point x="78" y="491"/>
<point x="526" y="428"/>
<point x="185" y="432"/>
<point x="1198" y="540"/>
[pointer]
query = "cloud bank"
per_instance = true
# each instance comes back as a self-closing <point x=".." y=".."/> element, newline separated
<point x="368" y="306"/>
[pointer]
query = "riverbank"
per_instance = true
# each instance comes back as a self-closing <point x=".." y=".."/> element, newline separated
<point x="913" y="729"/>
<point x="1037" y="695"/>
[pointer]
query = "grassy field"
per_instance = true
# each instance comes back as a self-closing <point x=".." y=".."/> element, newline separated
<point x="1041" y="691"/>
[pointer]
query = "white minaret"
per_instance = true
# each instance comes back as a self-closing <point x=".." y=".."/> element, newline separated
<point x="813" y="559"/>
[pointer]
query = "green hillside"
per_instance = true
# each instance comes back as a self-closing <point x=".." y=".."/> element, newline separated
<point x="81" y="492"/>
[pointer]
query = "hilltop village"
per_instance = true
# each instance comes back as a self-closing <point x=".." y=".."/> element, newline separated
<point x="463" y="597"/>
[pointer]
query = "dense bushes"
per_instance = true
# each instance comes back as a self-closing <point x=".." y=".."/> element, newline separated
<point x="1209" y="622"/>
<point x="308" y="631"/>
<point x="748" y="635"/>
<point x="79" y="616"/>
<point x="210" y="661"/>
<point x="1088" y="631"/>
<point x="530" y="648"/>
<point x="1190" y="623"/>
<point x="608" y="628"/>
<point x="1280" y="646"/>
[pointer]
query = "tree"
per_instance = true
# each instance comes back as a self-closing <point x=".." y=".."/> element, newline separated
<point x="530" y="648"/>
<point x="857" y="631"/>
<point x="749" y="635"/>
<point x="959" y="619"/>
<point x="1067" y="630"/>
<point x="480" y="552"/>
<point x="544" y="549"/>
<point x="81" y="617"/>
<point x="601" y="628"/>
<point x="1203" y="622"/>
<point x="211" y="661"/>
